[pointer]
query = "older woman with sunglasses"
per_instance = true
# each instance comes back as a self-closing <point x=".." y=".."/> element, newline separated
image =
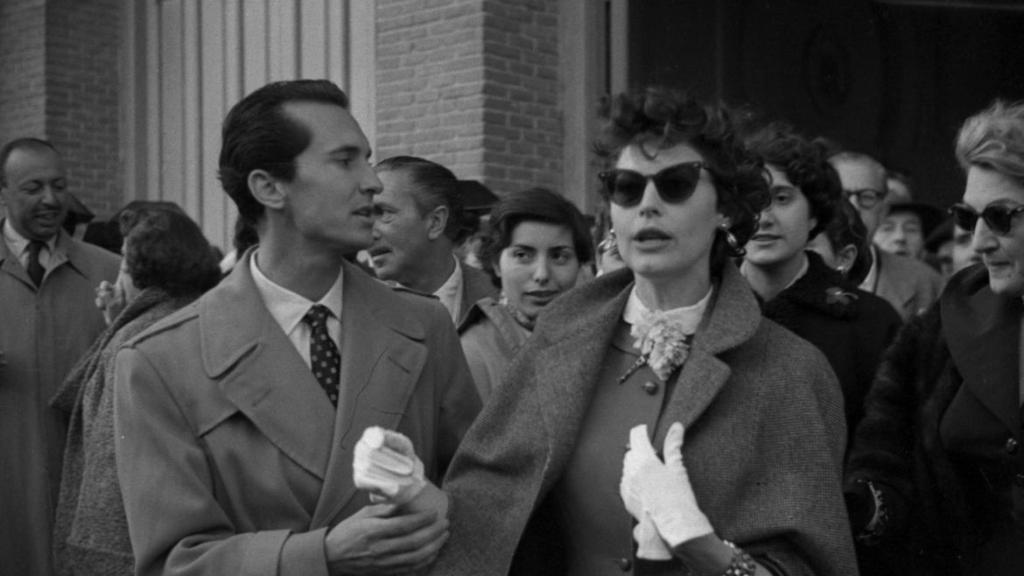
<point x="937" y="471"/>
<point x="673" y="346"/>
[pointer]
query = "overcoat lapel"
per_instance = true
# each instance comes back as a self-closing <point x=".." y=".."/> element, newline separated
<point x="576" y="354"/>
<point x="382" y="356"/>
<point x="734" y="318"/>
<point x="571" y="364"/>
<point x="9" y="265"/>
<point x="262" y="374"/>
<point x="983" y="332"/>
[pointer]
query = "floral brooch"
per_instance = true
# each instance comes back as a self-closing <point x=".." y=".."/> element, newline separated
<point x="836" y="295"/>
<point x="662" y="343"/>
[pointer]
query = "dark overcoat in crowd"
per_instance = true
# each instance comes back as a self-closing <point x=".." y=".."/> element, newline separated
<point x="942" y="433"/>
<point x="852" y="327"/>
<point x="230" y="456"/>
<point x="764" y="442"/>
<point x="43" y="333"/>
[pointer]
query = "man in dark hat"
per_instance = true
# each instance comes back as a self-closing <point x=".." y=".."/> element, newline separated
<point x="904" y="229"/>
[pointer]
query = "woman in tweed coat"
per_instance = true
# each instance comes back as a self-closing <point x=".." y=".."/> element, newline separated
<point x="542" y="469"/>
<point x="167" y="264"/>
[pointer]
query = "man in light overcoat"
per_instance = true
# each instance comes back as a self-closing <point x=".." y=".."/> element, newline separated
<point x="236" y="417"/>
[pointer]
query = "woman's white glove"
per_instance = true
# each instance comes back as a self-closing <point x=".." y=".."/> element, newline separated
<point x="663" y="489"/>
<point x="385" y="464"/>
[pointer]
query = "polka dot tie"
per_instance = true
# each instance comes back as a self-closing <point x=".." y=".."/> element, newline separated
<point x="325" y="361"/>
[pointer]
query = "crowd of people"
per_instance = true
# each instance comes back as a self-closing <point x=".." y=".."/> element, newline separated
<point x="767" y="357"/>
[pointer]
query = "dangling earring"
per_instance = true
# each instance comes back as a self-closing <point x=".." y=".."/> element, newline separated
<point x="730" y="239"/>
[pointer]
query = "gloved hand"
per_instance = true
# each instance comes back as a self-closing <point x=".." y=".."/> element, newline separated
<point x="385" y="463"/>
<point x="663" y="488"/>
<point x="650" y="546"/>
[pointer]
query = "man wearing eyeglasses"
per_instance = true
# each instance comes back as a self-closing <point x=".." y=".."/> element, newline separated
<point x="910" y="286"/>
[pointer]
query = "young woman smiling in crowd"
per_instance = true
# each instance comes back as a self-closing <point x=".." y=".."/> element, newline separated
<point x="800" y="291"/>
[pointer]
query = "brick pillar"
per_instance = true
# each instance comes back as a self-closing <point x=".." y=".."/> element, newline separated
<point x="83" y="42"/>
<point x="22" y="79"/>
<point x="472" y="85"/>
<point x="59" y="62"/>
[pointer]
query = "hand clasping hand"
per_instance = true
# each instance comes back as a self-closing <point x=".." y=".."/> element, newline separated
<point x="663" y="488"/>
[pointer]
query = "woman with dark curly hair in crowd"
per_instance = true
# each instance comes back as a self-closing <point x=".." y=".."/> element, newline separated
<point x="167" y="263"/>
<point x="673" y="342"/>
<point x="936" y="472"/>
<point x="800" y="292"/>
<point x="536" y="245"/>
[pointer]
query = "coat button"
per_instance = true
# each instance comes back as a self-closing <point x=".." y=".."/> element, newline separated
<point x="1019" y="480"/>
<point x="1011" y="446"/>
<point x="650" y="387"/>
<point x="625" y="564"/>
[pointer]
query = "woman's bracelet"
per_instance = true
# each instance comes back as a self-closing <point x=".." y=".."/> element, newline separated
<point x="741" y="564"/>
<point x="872" y="533"/>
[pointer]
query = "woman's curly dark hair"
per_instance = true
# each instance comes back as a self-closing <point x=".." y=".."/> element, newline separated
<point x="166" y="249"/>
<point x="805" y="164"/>
<point x="662" y="118"/>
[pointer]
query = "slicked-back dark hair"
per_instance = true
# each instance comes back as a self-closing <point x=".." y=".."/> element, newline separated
<point x="19" y="144"/>
<point x="533" y="205"/>
<point x="662" y="118"/>
<point x="258" y="135"/>
<point x="433" y="186"/>
<point x="805" y="164"/>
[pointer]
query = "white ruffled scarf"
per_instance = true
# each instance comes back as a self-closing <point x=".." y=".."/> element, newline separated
<point x="663" y="337"/>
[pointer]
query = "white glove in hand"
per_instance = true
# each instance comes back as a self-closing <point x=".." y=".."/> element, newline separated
<point x="385" y="463"/>
<point x="650" y="546"/>
<point x="663" y="488"/>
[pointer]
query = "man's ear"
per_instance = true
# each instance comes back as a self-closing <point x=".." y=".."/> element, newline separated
<point x="265" y="189"/>
<point x="437" y="221"/>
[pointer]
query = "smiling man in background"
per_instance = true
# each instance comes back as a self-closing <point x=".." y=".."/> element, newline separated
<point x="47" y="321"/>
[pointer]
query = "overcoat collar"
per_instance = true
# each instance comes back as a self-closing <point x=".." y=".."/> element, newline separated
<point x="260" y="371"/>
<point x="66" y="250"/>
<point x="983" y="333"/>
<point x="896" y="281"/>
<point x="579" y="332"/>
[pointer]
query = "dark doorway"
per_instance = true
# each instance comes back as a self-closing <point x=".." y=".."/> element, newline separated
<point x="893" y="78"/>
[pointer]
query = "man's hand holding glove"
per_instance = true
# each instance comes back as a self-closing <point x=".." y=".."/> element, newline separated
<point x="386" y="465"/>
<point x="659" y="493"/>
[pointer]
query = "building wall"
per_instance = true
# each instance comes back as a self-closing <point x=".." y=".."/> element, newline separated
<point x="82" y="96"/>
<point x="59" y="81"/>
<point x="22" y="78"/>
<point x="472" y="85"/>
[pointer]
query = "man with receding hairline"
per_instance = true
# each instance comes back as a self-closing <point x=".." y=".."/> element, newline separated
<point x="237" y="417"/>
<point x="909" y="285"/>
<point x="47" y="321"/>
<point x="420" y="220"/>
